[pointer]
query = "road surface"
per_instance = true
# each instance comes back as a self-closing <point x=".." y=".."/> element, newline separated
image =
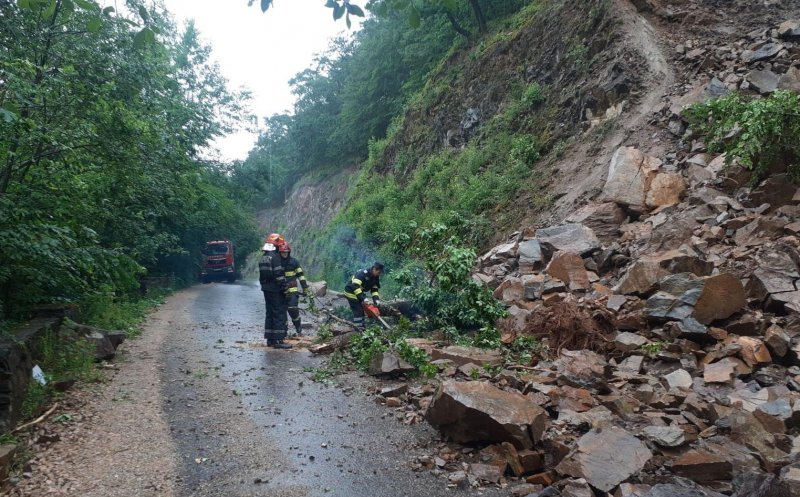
<point x="247" y="420"/>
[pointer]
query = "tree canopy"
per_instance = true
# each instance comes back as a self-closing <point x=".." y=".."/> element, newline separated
<point x="102" y="134"/>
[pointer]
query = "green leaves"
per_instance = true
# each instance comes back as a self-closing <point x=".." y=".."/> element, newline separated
<point x="758" y="133"/>
<point x="144" y="37"/>
<point x="94" y="24"/>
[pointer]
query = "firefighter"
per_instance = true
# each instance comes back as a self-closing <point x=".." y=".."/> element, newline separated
<point x="294" y="275"/>
<point x="365" y="280"/>
<point x="273" y="284"/>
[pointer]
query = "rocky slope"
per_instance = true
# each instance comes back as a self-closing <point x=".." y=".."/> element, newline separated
<point x="663" y="296"/>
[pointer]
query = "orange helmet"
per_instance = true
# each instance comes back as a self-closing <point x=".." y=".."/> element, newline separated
<point x="275" y="239"/>
<point x="272" y="241"/>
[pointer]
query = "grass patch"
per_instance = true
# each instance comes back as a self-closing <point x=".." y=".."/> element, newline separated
<point x="110" y="312"/>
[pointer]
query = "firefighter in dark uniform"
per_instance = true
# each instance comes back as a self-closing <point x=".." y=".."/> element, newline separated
<point x="273" y="284"/>
<point x="365" y="280"/>
<point x="294" y="275"/>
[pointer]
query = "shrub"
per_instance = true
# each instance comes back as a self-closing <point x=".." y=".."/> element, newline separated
<point x="759" y="133"/>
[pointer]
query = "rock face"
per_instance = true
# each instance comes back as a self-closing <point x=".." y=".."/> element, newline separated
<point x="606" y="457"/>
<point x="476" y="411"/>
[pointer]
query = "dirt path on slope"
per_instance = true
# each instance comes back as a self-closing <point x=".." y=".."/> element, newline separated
<point x="584" y="167"/>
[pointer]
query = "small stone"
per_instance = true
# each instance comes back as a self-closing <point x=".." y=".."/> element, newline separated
<point x="628" y="342"/>
<point x="678" y="379"/>
<point x="665" y="436"/>
<point x="723" y="371"/>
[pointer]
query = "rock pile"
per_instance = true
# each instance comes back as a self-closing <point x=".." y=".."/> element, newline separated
<point x="671" y="310"/>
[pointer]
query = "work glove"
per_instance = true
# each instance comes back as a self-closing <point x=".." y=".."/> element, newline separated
<point x="376" y="301"/>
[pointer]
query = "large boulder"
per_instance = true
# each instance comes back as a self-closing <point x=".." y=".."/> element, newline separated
<point x="603" y="219"/>
<point x="644" y="276"/>
<point x="574" y="238"/>
<point x="630" y="174"/>
<point x="605" y="457"/>
<point x="476" y="411"/>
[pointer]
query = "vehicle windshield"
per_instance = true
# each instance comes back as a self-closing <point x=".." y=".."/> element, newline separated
<point x="217" y="249"/>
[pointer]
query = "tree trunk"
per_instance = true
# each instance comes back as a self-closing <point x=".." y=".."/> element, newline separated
<point x="458" y="27"/>
<point x="476" y="9"/>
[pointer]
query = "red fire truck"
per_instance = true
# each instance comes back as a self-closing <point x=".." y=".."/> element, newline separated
<point x="219" y="263"/>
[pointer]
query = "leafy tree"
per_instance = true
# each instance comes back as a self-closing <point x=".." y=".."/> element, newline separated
<point x="101" y="139"/>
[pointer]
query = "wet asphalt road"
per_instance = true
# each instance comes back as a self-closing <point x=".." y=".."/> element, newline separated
<point x="248" y="420"/>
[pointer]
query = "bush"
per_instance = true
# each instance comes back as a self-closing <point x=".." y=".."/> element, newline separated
<point x="758" y="133"/>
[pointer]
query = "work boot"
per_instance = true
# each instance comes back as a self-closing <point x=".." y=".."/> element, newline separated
<point x="270" y="342"/>
<point x="279" y="344"/>
<point x="298" y="332"/>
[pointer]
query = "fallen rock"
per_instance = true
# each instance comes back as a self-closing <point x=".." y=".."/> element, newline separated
<point x="646" y="273"/>
<point x="476" y="411"/>
<point x="603" y="219"/>
<point x="630" y="174"/>
<point x="764" y="82"/>
<point x="665" y="189"/>
<point x="776" y="416"/>
<point x="510" y="290"/>
<point x="777" y="340"/>
<point x="460" y="355"/>
<point x="767" y="51"/>
<point x="605" y="458"/>
<point x="678" y="379"/>
<point x="530" y="256"/>
<point x="680" y="490"/>
<point x="665" y="436"/>
<point x="583" y="368"/>
<point x="486" y="472"/>
<point x="722" y="371"/>
<point x="753" y="351"/>
<point x="628" y="342"/>
<point x="568" y="267"/>
<point x="702" y="465"/>
<point x="577" y="488"/>
<point x="574" y="238"/>
<point x="722" y="295"/>
<point x="386" y="363"/>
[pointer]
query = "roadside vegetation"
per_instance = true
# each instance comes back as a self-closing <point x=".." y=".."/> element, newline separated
<point x="104" y="169"/>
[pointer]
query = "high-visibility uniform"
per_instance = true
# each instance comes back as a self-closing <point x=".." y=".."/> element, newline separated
<point x="273" y="284"/>
<point x="294" y="275"/>
<point x="356" y="292"/>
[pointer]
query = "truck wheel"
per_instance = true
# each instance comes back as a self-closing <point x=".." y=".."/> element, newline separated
<point x="206" y="281"/>
<point x="231" y="278"/>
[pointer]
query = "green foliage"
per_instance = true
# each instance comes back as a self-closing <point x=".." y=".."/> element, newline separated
<point x="323" y="334"/>
<point x="758" y="133"/>
<point x="578" y="54"/>
<point x="61" y="357"/>
<point x="125" y="312"/>
<point x="652" y="349"/>
<point x="525" y="348"/>
<point x="102" y="134"/>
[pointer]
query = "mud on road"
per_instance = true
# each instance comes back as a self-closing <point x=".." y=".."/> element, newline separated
<point x="201" y="408"/>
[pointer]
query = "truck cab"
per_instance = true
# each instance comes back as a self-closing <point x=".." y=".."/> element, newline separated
<point x="218" y="262"/>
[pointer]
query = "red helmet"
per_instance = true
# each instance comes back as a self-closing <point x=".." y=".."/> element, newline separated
<point x="284" y="247"/>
